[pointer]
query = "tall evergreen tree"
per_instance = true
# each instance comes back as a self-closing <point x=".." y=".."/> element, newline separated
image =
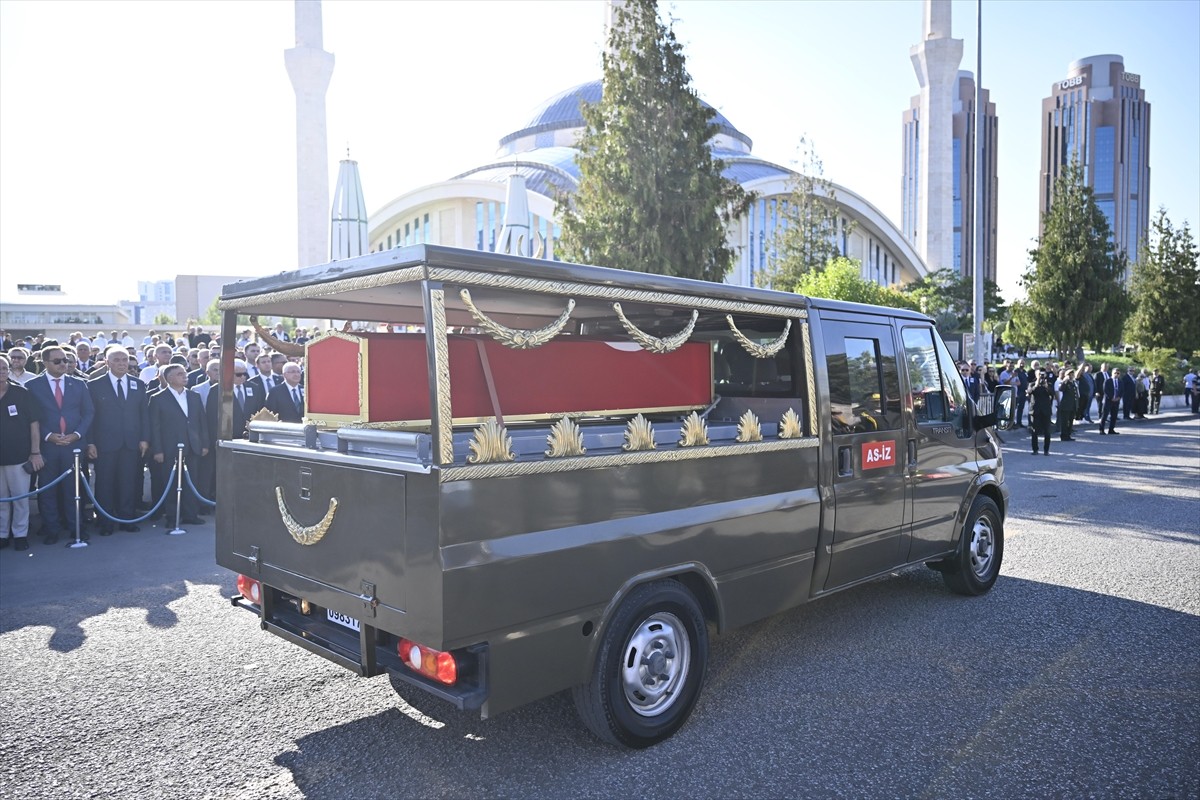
<point x="807" y="237"/>
<point x="949" y="298"/>
<point x="1074" y="282"/>
<point x="841" y="279"/>
<point x="1166" y="290"/>
<point x="651" y="196"/>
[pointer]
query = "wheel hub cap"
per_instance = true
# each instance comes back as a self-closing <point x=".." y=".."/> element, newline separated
<point x="656" y="663"/>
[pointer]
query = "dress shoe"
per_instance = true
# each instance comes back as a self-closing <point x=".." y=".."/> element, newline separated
<point x="1103" y="433"/>
<point x="3" y="543"/>
<point x="106" y="531"/>
<point x="191" y="521"/>
<point x="1112" y="433"/>
<point x="51" y="538"/>
<point x="21" y="544"/>
<point x="130" y="528"/>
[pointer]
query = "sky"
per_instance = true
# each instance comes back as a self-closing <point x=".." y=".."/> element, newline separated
<point x="141" y="140"/>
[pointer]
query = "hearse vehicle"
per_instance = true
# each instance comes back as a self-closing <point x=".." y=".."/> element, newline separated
<point x="516" y="477"/>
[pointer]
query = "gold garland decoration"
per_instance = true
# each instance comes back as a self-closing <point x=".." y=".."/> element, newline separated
<point x="516" y="338"/>
<point x="652" y="343"/>
<point x="310" y="534"/>
<point x="759" y="350"/>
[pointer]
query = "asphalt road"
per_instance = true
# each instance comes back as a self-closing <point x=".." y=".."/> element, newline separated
<point x="126" y="673"/>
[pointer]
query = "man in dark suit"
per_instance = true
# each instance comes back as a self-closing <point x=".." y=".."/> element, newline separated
<point x="121" y="436"/>
<point x="286" y="400"/>
<point x="265" y="379"/>
<point x="1112" y="401"/>
<point x="200" y="374"/>
<point x="1128" y="394"/>
<point x="247" y="400"/>
<point x="64" y="420"/>
<point x="177" y="417"/>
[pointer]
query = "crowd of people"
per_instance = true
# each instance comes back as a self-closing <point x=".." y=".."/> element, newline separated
<point x="1058" y="397"/>
<point x="129" y="409"/>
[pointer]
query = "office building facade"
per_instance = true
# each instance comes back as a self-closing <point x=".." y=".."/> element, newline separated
<point x="1098" y="115"/>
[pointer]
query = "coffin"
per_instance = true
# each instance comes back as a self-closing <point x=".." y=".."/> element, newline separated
<point x="383" y="378"/>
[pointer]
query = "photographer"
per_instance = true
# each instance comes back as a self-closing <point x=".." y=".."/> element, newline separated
<point x="1040" y="417"/>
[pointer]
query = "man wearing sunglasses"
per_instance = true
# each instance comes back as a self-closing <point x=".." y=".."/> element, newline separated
<point x="64" y="420"/>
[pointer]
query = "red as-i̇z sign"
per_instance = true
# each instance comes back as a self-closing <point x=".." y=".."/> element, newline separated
<point x="878" y="454"/>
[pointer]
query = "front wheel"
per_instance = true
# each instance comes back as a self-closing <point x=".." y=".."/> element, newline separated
<point x="976" y="565"/>
<point x="649" y="667"/>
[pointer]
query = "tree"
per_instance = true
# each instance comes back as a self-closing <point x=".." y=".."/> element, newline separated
<point x="1166" y="290"/>
<point x="1074" y="279"/>
<point x="1019" y="332"/>
<point x="651" y="196"/>
<point x="807" y="238"/>
<point x="950" y="299"/>
<point x="163" y="318"/>
<point x="842" y="280"/>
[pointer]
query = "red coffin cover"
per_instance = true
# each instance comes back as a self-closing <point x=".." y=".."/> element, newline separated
<point x="568" y="374"/>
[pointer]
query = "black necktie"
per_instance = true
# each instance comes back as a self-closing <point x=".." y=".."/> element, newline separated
<point x="121" y="389"/>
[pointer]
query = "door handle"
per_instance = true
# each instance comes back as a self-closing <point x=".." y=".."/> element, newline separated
<point x="845" y="463"/>
<point x="912" y="452"/>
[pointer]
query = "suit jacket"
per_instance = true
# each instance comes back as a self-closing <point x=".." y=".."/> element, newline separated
<point x="196" y="377"/>
<point x="77" y="407"/>
<point x="1128" y="389"/>
<point x="119" y="423"/>
<point x="1112" y="390"/>
<point x="169" y="427"/>
<point x="241" y="413"/>
<point x="279" y="402"/>
<point x="258" y="381"/>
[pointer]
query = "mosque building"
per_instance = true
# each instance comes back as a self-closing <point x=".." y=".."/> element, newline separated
<point x="508" y="202"/>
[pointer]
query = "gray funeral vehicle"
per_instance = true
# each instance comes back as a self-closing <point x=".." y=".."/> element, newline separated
<point x="516" y="477"/>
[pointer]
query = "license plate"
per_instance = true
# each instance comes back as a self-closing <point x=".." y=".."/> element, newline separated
<point x="342" y="619"/>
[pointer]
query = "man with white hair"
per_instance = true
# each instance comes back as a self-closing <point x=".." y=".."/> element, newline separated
<point x="121" y="436"/>
<point x="286" y="400"/>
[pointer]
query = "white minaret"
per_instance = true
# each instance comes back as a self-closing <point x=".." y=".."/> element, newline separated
<point x="310" y="68"/>
<point x="349" y="229"/>
<point x="515" y="238"/>
<point x="936" y="61"/>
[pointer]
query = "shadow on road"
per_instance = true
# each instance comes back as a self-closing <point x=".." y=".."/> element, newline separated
<point x="63" y="588"/>
<point x="964" y="687"/>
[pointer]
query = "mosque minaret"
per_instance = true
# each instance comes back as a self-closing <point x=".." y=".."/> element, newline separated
<point x="309" y="67"/>
<point x="936" y="61"/>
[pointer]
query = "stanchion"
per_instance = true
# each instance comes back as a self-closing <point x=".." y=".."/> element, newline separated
<point x="78" y="508"/>
<point x="178" y="491"/>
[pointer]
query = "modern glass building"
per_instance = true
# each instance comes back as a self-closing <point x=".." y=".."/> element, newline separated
<point x="468" y="209"/>
<point x="1098" y="114"/>
<point x="963" y="174"/>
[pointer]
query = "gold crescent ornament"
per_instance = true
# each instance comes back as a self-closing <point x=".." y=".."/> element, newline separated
<point x="305" y="534"/>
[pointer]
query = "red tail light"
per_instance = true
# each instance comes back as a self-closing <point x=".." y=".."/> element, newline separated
<point x="250" y="589"/>
<point x="433" y="663"/>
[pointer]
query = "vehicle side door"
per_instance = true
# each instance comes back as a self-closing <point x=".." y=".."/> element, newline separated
<point x="942" y="457"/>
<point x="870" y="481"/>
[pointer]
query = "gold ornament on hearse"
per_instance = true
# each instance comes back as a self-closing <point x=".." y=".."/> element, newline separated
<point x="639" y="434"/>
<point x="759" y="350"/>
<point x="305" y="534"/>
<point x="565" y="439"/>
<point x="789" y="425"/>
<point x="748" y="428"/>
<point x="654" y="344"/>
<point x="516" y="338"/>
<point x="490" y="444"/>
<point x="694" y="431"/>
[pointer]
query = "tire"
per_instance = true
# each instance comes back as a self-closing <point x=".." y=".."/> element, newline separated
<point x="649" y="667"/>
<point x="974" y="568"/>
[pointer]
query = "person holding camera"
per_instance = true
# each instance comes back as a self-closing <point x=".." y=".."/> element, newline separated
<point x="20" y="455"/>
<point x="1041" y="413"/>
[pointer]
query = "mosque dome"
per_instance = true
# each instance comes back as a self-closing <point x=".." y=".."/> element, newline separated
<point x="557" y="121"/>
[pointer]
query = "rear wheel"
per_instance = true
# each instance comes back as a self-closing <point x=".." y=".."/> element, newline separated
<point x="975" y="567"/>
<point x="649" y="668"/>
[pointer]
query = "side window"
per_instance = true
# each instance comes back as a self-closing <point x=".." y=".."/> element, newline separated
<point x="938" y="392"/>
<point x="739" y="374"/>
<point x="864" y="386"/>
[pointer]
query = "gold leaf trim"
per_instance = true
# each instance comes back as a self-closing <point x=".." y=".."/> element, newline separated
<point x="789" y="425"/>
<point x="490" y="444"/>
<point x="550" y="466"/>
<point x="759" y="350"/>
<point x="639" y="434"/>
<point x="310" y="534"/>
<point x="653" y="343"/>
<point x="565" y="439"/>
<point x="441" y="367"/>
<point x="514" y="337"/>
<point x="748" y="428"/>
<point x="694" y="431"/>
